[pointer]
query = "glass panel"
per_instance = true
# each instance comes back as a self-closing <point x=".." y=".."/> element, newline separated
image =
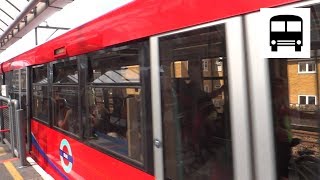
<point x="15" y="80"/>
<point x="115" y="65"/>
<point x="196" y="121"/>
<point x="302" y="67"/>
<point x="115" y="120"/>
<point x="65" y="109"/>
<point x="8" y="82"/>
<point x="296" y="127"/>
<point x="65" y="72"/>
<point x="215" y="66"/>
<point x="40" y="103"/>
<point x="311" y="100"/>
<point x="8" y="77"/>
<point x="180" y="69"/>
<point x="303" y="100"/>
<point x="311" y="66"/>
<point x="40" y="75"/>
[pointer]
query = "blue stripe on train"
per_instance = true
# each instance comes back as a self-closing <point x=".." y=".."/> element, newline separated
<point x="66" y="156"/>
<point x="46" y="158"/>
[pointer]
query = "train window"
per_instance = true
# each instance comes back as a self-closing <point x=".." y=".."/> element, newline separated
<point x="40" y="100"/>
<point x="15" y="80"/>
<point x="40" y="103"/>
<point x="196" y="120"/>
<point x="114" y="100"/>
<point x="65" y="92"/>
<point x="65" y="72"/>
<point x="115" y="119"/>
<point x="40" y="75"/>
<point x="124" y="70"/>
<point x="295" y="93"/>
<point x="65" y="109"/>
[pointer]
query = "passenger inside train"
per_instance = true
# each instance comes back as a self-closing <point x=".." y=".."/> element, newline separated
<point x="114" y="100"/>
<point x="65" y="112"/>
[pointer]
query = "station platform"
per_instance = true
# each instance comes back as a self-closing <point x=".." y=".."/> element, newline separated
<point x="10" y="167"/>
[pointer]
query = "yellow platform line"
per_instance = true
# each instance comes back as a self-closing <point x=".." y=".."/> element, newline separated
<point x="13" y="171"/>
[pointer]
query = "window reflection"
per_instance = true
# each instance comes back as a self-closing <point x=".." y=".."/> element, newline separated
<point x="126" y="74"/>
<point x="65" y="72"/>
<point x="295" y="95"/>
<point x="40" y="103"/>
<point x="65" y="109"/>
<point x="115" y="120"/>
<point x="40" y="100"/>
<point x="114" y="98"/>
<point x="40" y="75"/>
<point x="196" y="124"/>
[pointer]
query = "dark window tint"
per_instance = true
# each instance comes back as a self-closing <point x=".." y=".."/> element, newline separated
<point x="40" y="103"/>
<point x="303" y="67"/>
<point x="115" y="65"/>
<point x="115" y="118"/>
<point x="311" y="100"/>
<point x="65" y="109"/>
<point x="23" y="79"/>
<point x="15" y="80"/>
<point x="311" y="67"/>
<point x="19" y="80"/>
<point x="8" y="82"/>
<point x="40" y="75"/>
<point x="295" y="115"/>
<point x="40" y="98"/>
<point x="65" y="72"/>
<point x="303" y="100"/>
<point x="196" y="123"/>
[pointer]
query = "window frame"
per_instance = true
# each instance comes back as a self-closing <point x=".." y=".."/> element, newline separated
<point x="145" y="111"/>
<point x="47" y="123"/>
<point x="239" y="124"/>
<point x="205" y="65"/>
<point x="61" y="85"/>
<point x="307" y="99"/>
<point x="306" y="63"/>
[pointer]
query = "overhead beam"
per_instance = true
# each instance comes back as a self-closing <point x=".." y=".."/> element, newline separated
<point x="52" y="27"/>
<point x="36" y="12"/>
<point x="30" y="6"/>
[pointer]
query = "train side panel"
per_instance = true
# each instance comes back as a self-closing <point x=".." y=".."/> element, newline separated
<point x="66" y="158"/>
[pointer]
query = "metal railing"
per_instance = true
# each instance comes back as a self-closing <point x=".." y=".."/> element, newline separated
<point x="16" y="129"/>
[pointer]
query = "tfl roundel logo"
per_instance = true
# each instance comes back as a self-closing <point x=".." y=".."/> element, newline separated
<point x="66" y="156"/>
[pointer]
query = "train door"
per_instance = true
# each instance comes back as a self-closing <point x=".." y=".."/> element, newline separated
<point x="284" y="96"/>
<point x="201" y="122"/>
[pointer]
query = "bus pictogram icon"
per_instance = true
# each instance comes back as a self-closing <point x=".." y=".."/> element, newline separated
<point x="286" y="30"/>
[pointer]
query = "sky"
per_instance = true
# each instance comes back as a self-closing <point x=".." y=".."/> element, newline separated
<point x="71" y="16"/>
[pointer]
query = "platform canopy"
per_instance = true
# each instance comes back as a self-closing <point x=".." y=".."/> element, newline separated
<point x="18" y="17"/>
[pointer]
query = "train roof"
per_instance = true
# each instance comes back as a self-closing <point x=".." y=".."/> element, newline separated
<point x="136" y="20"/>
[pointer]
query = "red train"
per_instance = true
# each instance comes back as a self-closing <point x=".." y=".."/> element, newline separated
<point x="159" y="90"/>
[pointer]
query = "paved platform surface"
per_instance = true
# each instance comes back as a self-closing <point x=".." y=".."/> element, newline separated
<point x="10" y="167"/>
